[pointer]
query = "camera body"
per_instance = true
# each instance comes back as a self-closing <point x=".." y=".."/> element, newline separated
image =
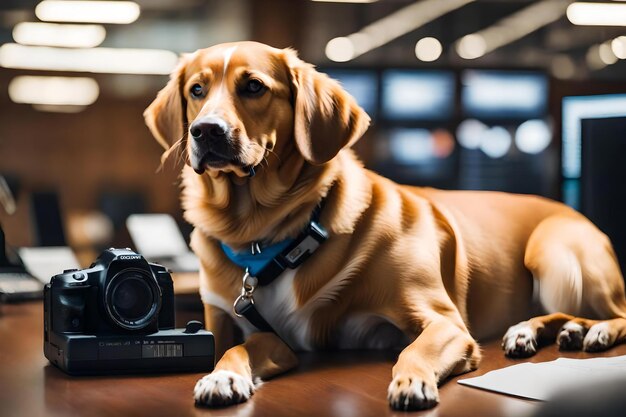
<point x="118" y="315"/>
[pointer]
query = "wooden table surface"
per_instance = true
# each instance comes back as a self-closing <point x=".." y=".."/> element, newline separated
<point x="342" y="384"/>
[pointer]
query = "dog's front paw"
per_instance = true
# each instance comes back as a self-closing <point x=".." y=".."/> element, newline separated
<point x="598" y="338"/>
<point x="410" y="392"/>
<point x="571" y="336"/>
<point x="222" y="388"/>
<point x="520" y="341"/>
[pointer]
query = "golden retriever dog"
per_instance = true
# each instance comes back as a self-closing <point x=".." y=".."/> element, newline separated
<point x="418" y="269"/>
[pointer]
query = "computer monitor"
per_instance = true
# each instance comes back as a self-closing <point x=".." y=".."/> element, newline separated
<point x="603" y="195"/>
<point x="360" y="84"/>
<point x="47" y="219"/>
<point x="419" y="95"/>
<point x="498" y="94"/>
<point x="576" y="108"/>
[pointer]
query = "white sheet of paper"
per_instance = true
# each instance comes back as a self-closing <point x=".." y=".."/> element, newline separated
<point x="540" y="381"/>
<point x="156" y="235"/>
<point x="45" y="262"/>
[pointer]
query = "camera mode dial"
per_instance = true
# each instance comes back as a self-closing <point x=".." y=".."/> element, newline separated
<point x="79" y="276"/>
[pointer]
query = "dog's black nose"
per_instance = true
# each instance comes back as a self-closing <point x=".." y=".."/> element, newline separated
<point x="208" y="128"/>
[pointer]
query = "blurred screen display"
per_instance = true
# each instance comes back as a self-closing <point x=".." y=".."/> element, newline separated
<point x="418" y="146"/>
<point x="418" y="95"/>
<point x="497" y="94"/>
<point x="418" y="156"/>
<point x="575" y="109"/>
<point x="361" y="84"/>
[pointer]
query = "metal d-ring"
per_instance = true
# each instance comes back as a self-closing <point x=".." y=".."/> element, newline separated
<point x="240" y="299"/>
<point x="248" y="285"/>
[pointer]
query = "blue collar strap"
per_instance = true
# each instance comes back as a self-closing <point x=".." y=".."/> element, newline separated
<point x="270" y="261"/>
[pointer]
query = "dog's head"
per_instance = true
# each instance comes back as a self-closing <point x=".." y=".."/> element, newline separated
<point x="231" y="104"/>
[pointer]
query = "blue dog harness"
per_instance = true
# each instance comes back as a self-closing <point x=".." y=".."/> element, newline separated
<point x="263" y="265"/>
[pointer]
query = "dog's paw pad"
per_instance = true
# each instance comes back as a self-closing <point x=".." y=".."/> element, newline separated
<point x="412" y="393"/>
<point x="222" y="388"/>
<point x="571" y="336"/>
<point x="598" y="338"/>
<point x="519" y="341"/>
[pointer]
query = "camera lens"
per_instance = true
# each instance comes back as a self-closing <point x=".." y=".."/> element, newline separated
<point x="132" y="299"/>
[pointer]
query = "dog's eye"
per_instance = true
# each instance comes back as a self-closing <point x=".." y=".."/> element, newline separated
<point x="254" y="87"/>
<point x="196" y="91"/>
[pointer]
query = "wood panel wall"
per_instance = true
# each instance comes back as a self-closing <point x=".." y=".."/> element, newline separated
<point x="107" y="147"/>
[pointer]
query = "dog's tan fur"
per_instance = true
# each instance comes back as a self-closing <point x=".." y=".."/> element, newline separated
<point x="444" y="267"/>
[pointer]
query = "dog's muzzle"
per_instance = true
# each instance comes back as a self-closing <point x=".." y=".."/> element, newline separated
<point x="212" y="144"/>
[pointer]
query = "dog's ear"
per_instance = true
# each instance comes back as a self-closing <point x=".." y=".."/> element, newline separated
<point x="166" y="115"/>
<point x="326" y="117"/>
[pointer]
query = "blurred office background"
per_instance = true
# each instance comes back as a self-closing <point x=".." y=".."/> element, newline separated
<point x="511" y="95"/>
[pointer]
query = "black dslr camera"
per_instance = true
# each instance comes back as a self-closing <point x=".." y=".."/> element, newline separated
<point x="117" y="316"/>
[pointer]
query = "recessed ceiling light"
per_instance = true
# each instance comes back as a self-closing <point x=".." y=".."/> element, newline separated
<point x="618" y="45"/>
<point x="428" y="49"/>
<point x="399" y="23"/>
<point x="68" y="91"/>
<point x="511" y="28"/>
<point x="597" y="14"/>
<point x="471" y="46"/>
<point x="606" y="53"/>
<point x="53" y="34"/>
<point x="119" y="12"/>
<point x="97" y="60"/>
<point x="340" y="49"/>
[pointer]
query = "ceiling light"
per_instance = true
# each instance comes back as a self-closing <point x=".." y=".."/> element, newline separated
<point x="428" y="49"/>
<point x="597" y="14"/>
<point x="76" y="91"/>
<point x="398" y="23"/>
<point x="511" y="28"/>
<point x="96" y="60"/>
<point x="618" y="45"/>
<point x="600" y="56"/>
<point x="52" y="34"/>
<point x="606" y="53"/>
<point x="88" y="11"/>
<point x="340" y="49"/>
<point x="471" y="46"/>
